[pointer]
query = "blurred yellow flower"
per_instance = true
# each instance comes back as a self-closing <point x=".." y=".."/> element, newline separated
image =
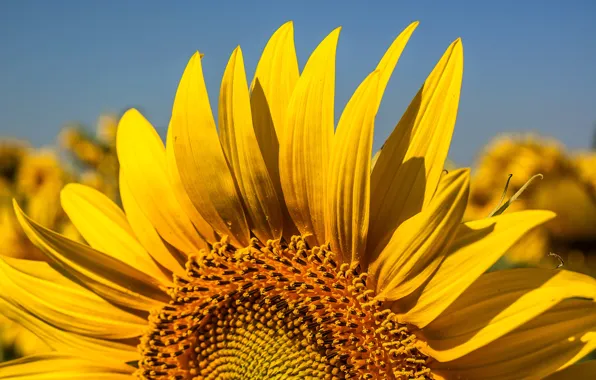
<point x="13" y="241"/>
<point x="586" y="162"/>
<point x="107" y="127"/>
<point x="35" y="177"/>
<point x="95" y="156"/>
<point x="17" y="341"/>
<point x="11" y="155"/>
<point x="567" y="188"/>
<point x="38" y="171"/>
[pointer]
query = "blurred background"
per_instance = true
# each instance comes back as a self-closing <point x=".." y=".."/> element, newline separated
<point x="68" y="69"/>
<point x="529" y="65"/>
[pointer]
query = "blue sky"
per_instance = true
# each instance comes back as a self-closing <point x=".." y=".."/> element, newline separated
<point x="529" y="65"/>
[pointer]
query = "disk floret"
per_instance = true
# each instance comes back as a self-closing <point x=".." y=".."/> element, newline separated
<point x="280" y="310"/>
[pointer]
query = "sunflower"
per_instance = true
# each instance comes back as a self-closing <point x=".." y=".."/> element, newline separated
<point x="39" y="171"/>
<point x="95" y="156"/>
<point x="272" y="251"/>
<point x="567" y="188"/>
<point x="35" y="178"/>
<point x="11" y="156"/>
<point x="586" y="161"/>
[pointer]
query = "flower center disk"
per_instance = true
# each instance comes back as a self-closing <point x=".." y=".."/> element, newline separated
<point x="280" y="311"/>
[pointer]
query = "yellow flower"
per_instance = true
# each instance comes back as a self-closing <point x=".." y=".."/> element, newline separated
<point x="107" y="127"/>
<point x="11" y="156"/>
<point x="96" y="156"/>
<point x="13" y="241"/>
<point x="69" y="136"/>
<point x="586" y="162"/>
<point x="565" y="189"/>
<point x="270" y="250"/>
<point x="19" y="341"/>
<point x="39" y="170"/>
<point x="34" y="178"/>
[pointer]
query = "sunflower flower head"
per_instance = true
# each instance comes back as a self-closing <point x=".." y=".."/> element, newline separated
<point x="566" y="189"/>
<point x="268" y="248"/>
<point x="586" y="161"/>
<point x="107" y="127"/>
<point x="33" y="177"/>
<point x="94" y="156"/>
<point x="11" y="155"/>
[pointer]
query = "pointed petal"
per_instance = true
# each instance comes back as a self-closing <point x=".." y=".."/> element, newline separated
<point x="63" y="303"/>
<point x="275" y="78"/>
<point x="199" y="222"/>
<point x="348" y="183"/>
<point x="581" y="371"/>
<point x="202" y="166"/>
<point x="416" y="248"/>
<point x="105" y="228"/>
<point x="409" y="166"/>
<point x="555" y="339"/>
<point x="110" y="278"/>
<point x="243" y="154"/>
<point x="497" y="303"/>
<point x="374" y="160"/>
<point x="142" y="157"/>
<point x="68" y="342"/>
<point x="389" y="60"/>
<point x="476" y="247"/>
<point x="60" y="366"/>
<point x="167" y="257"/>
<point x="306" y="141"/>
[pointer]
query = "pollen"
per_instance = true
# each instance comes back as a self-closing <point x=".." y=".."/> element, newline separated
<point x="276" y="311"/>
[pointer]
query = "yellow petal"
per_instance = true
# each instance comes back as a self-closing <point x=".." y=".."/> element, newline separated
<point x="348" y="182"/>
<point x="168" y="257"/>
<point x="581" y="371"/>
<point x="306" y="141"/>
<point x="497" y="303"/>
<point x="242" y="151"/>
<point x="416" y="248"/>
<point x="559" y="337"/>
<point x="142" y="157"/>
<point x="476" y="247"/>
<point x="409" y="166"/>
<point x="68" y="342"/>
<point x="374" y="159"/>
<point x="275" y="78"/>
<point x="105" y="228"/>
<point x="110" y="278"/>
<point x="63" y="303"/>
<point x="60" y="366"/>
<point x="199" y="222"/>
<point x="202" y="166"/>
<point x="389" y="60"/>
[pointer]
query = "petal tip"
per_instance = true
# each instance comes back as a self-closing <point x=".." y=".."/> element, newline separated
<point x="16" y="206"/>
<point x="130" y="113"/>
<point x="413" y="25"/>
<point x="458" y="44"/>
<point x="547" y="214"/>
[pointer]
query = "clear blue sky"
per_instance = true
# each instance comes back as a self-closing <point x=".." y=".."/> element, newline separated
<point x="529" y="65"/>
